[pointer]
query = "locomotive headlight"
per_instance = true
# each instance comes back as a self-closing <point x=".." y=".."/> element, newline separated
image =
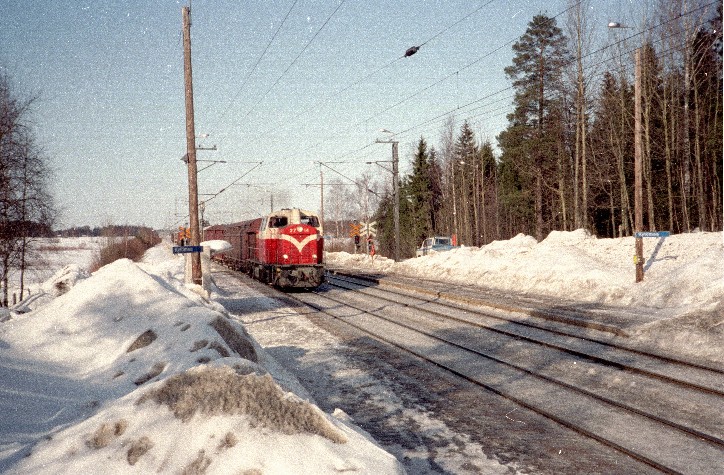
<point x="314" y="256"/>
<point x="285" y="256"/>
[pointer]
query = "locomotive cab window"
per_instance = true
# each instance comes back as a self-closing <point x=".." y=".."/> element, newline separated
<point x="310" y="220"/>
<point x="278" y="221"/>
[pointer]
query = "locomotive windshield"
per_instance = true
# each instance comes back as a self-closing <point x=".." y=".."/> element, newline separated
<point x="278" y="221"/>
<point x="310" y="220"/>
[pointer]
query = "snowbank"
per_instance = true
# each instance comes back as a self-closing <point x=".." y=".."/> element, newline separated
<point x="130" y="370"/>
<point x="683" y="286"/>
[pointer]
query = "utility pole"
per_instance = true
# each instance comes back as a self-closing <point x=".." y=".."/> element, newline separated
<point x="191" y="149"/>
<point x="395" y="193"/>
<point x="638" y="168"/>
<point x="321" y="196"/>
<point x="638" y="182"/>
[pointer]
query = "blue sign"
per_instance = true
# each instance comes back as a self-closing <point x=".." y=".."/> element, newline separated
<point x="653" y="234"/>
<point x="187" y="249"/>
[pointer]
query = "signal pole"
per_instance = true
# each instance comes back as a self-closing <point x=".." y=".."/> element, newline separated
<point x="191" y="149"/>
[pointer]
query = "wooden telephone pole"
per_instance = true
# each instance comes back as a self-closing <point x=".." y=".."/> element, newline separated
<point x="395" y="193"/>
<point x="638" y="181"/>
<point x="191" y="149"/>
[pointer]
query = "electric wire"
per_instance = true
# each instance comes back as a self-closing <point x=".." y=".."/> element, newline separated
<point x="376" y="71"/>
<point x="294" y="61"/>
<point x="457" y="109"/>
<point x="511" y="87"/>
<point x="428" y="121"/>
<point x="417" y="93"/>
<point x="469" y="117"/>
<point x="233" y="182"/>
<point x="456" y="23"/>
<point x="445" y="77"/>
<point x="454" y="73"/>
<point x="256" y="64"/>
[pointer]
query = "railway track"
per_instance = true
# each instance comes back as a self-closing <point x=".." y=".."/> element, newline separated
<point x="663" y="412"/>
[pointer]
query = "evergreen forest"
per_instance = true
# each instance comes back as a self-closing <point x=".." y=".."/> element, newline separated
<point x="565" y="160"/>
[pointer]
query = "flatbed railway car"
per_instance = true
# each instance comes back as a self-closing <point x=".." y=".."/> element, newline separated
<point x="284" y="248"/>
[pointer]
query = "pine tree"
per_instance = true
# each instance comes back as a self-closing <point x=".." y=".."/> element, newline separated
<point x="487" y="194"/>
<point x="530" y="144"/>
<point x="465" y="154"/>
<point x="435" y="174"/>
<point x="418" y="191"/>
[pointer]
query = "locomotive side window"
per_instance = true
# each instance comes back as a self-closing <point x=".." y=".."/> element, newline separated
<point x="310" y="220"/>
<point x="278" y="221"/>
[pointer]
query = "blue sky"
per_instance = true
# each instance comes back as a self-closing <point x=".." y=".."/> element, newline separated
<point x="111" y="110"/>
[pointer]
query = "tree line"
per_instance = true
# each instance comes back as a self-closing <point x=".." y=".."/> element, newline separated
<point x="26" y="207"/>
<point x="110" y="230"/>
<point x="566" y="157"/>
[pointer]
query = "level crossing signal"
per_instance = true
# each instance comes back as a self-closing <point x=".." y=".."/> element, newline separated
<point x="184" y="234"/>
<point x="369" y="229"/>
<point x="363" y="229"/>
<point x="354" y="229"/>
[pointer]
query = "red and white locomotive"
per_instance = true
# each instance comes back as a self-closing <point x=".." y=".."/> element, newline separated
<point x="284" y="248"/>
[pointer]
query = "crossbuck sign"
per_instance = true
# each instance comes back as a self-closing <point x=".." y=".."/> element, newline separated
<point x="369" y="228"/>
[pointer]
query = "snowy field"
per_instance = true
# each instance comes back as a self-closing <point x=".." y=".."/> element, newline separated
<point x="48" y="255"/>
<point x="129" y="369"/>
<point x="683" y="287"/>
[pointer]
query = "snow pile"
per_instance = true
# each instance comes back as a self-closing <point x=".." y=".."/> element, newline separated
<point x="132" y="371"/>
<point x="683" y="288"/>
<point x="64" y="279"/>
<point x="217" y="246"/>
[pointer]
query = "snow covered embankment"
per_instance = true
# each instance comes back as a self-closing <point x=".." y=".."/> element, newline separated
<point x="131" y="371"/>
<point x="682" y="295"/>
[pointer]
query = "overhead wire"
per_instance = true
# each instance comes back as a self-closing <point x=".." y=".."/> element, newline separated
<point x="369" y="75"/>
<point x="256" y="64"/>
<point x="384" y="67"/>
<point x="511" y="87"/>
<point x="377" y="70"/>
<point x="456" y="109"/>
<point x="461" y="69"/>
<point x="367" y="146"/>
<point x="456" y="23"/>
<point x="233" y="182"/>
<point x="294" y="61"/>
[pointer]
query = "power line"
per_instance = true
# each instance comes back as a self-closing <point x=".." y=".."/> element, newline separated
<point x="233" y="182"/>
<point x="377" y="70"/>
<point x="459" y="108"/>
<point x="455" y="23"/>
<point x="510" y="87"/>
<point x="295" y="59"/>
<point x="253" y="68"/>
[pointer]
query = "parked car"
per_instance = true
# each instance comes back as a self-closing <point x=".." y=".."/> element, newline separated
<point x="437" y="244"/>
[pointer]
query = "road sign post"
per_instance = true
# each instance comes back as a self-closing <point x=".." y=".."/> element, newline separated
<point x="639" y="255"/>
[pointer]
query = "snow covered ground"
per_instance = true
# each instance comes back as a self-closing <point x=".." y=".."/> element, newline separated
<point x="48" y="255"/>
<point x="683" y="287"/>
<point x="130" y="370"/>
